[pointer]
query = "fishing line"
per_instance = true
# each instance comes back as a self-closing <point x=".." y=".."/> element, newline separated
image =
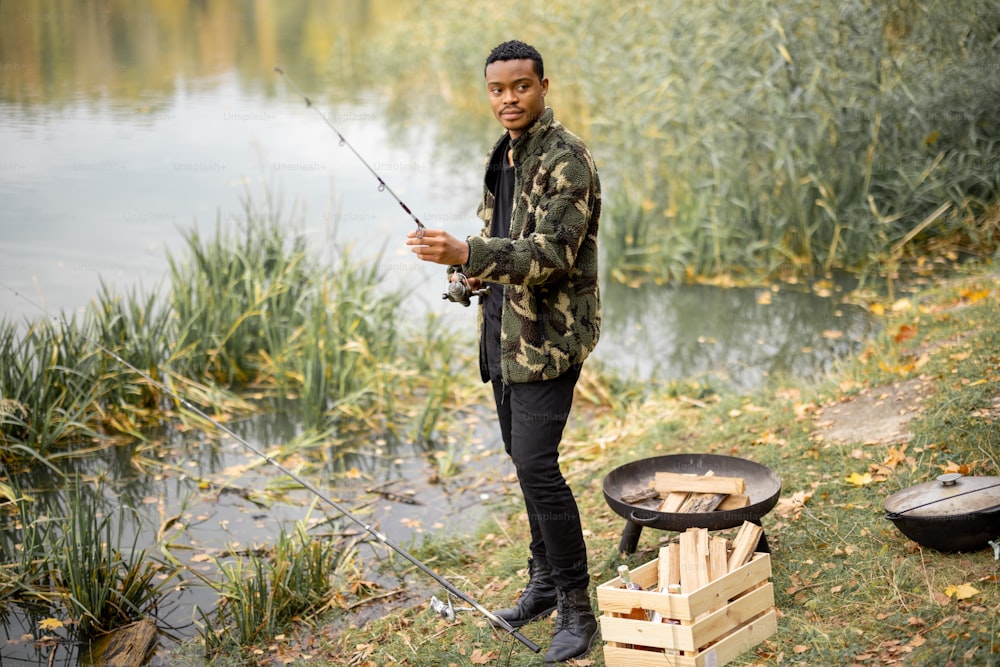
<point x="445" y="610"/>
<point x="382" y="185"/>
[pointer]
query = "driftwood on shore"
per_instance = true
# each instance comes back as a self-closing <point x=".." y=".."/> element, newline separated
<point x="129" y="646"/>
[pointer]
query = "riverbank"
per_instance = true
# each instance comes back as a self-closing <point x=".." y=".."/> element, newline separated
<point x="922" y="398"/>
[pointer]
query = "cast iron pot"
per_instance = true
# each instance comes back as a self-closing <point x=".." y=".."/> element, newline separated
<point x="952" y="513"/>
<point x="763" y="486"/>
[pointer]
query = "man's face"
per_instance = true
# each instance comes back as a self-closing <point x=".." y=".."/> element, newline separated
<point x="516" y="94"/>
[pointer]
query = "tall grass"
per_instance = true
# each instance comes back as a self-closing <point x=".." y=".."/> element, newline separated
<point x="48" y="390"/>
<point x="237" y="294"/>
<point x="248" y="311"/>
<point x="137" y="329"/>
<point x="256" y="308"/>
<point x="261" y="595"/>
<point x="799" y="135"/>
<point x="23" y="543"/>
<point x="68" y="556"/>
<point x="106" y="582"/>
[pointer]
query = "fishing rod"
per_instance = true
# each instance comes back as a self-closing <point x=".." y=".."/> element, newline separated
<point x="459" y="291"/>
<point x="445" y="609"/>
<point x="382" y="185"/>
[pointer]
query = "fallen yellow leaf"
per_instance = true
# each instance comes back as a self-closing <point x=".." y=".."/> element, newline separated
<point x="895" y="457"/>
<point x="859" y="479"/>
<point x="961" y="592"/>
<point x="51" y="624"/>
<point x="963" y="468"/>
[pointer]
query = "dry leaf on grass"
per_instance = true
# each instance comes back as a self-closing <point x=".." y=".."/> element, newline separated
<point x="480" y="658"/>
<point x="859" y="479"/>
<point x="961" y="592"/>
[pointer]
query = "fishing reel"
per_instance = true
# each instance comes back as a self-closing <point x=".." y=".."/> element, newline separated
<point x="461" y="292"/>
<point x="446" y="610"/>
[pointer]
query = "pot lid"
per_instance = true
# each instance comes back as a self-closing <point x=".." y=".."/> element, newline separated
<point x="949" y="495"/>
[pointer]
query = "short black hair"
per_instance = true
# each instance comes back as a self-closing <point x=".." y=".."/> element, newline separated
<point x="515" y="50"/>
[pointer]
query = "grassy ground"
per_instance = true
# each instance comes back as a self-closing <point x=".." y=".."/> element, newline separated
<point x="850" y="588"/>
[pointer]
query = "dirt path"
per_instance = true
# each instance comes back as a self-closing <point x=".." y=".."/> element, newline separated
<point x="879" y="415"/>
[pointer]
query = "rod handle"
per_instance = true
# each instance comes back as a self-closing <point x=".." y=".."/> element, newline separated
<point x="524" y="640"/>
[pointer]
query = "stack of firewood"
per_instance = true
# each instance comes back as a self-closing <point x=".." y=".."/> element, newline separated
<point x="692" y="493"/>
<point x="696" y="558"/>
<point x="699" y="493"/>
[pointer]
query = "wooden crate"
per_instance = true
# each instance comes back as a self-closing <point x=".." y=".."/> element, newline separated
<point x="708" y="627"/>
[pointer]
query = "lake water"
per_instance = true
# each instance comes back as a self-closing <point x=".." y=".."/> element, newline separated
<point x="122" y="126"/>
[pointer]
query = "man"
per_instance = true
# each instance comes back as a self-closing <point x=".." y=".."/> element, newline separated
<point x="538" y="254"/>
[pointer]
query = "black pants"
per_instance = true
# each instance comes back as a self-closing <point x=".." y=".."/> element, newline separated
<point x="532" y="418"/>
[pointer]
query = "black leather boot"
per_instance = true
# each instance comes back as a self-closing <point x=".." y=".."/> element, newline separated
<point x="537" y="600"/>
<point x="576" y="627"/>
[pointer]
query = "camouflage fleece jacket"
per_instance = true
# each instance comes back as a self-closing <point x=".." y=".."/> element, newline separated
<point x="551" y="307"/>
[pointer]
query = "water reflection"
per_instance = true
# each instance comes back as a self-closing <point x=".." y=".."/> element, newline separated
<point x="731" y="338"/>
<point x="60" y="51"/>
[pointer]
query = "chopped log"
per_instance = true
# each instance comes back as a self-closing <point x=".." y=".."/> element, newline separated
<point x="668" y="482"/>
<point x="674" y="571"/>
<point x="673" y="502"/>
<point x="663" y="569"/>
<point x="668" y="570"/>
<point x="718" y="558"/>
<point x="702" y="502"/>
<point x="693" y="559"/>
<point x="131" y="645"/>
<point x="633" y="497"/>
<point x="734" y="501"/>
<point x="744" y="544"/>
<point x="702" y="542"/>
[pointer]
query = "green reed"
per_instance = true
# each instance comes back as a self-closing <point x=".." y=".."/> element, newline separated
<point x="795" y="135"/>
<point x="23" y="540"/>
<point x="344" y="355"/>
<point x="237" y="295"/>
<point x="48" y="392"/>
<point x="106" y="581"/>
<point x="137" y="329"/>
<point x="261" y="595"/>
<point x="67" y="556"/>
<point x="248" y="311"/>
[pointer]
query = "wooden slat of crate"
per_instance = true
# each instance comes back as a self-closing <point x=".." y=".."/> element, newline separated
<point x="736" y="613"/>
<point x="682" y="606"/>
<point x="689" y="637"/>
<point x="722" y="652"/>
<point x="717" y="593"/>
